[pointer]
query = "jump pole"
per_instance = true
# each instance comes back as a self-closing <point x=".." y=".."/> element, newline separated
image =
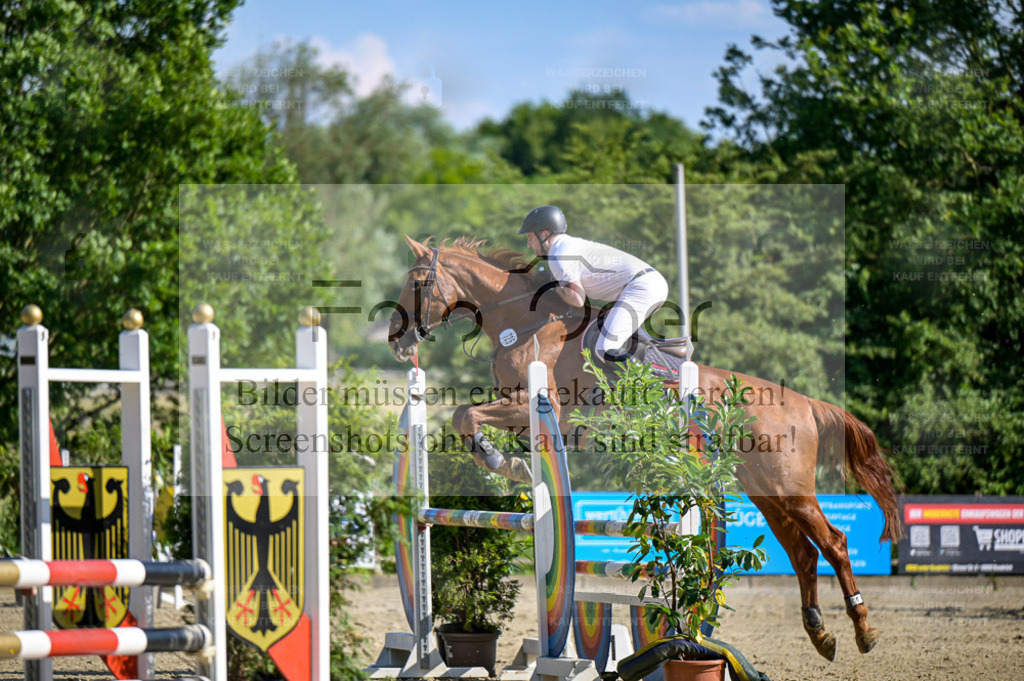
<point x="128" y="641"/>
<point x="26" y="574"/>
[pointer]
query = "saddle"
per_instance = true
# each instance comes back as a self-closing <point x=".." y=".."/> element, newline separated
<point x="665" y="355"/>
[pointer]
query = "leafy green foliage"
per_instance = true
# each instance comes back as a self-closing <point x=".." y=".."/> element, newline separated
<point x="588" y="137"/>
<point x="106" y="110"/>
<point x="10" y="492"/>
<point x="917" y="108"/>
<point x="668" y="477"/>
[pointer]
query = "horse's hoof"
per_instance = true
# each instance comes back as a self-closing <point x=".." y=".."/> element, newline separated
<point x="514" y="468"/>
<point x="868" y="640"/>
<point x="520" y="470"/>
<point x="825" y="643"/>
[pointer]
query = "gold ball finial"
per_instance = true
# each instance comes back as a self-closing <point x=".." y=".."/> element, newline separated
<point x="132" y="320"/>
<point x="31" y="315"/>
<point x="202" y="313"/>
<point x="310" y="316"/>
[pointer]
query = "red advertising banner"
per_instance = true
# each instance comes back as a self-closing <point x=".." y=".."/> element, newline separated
<point x="962" y="535"/>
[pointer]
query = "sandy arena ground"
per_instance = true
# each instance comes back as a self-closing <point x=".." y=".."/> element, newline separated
<point x="933" y="628"/>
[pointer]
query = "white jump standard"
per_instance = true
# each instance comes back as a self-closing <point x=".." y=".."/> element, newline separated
<point x="34" y="378"/>
<point x="561" y="605"/>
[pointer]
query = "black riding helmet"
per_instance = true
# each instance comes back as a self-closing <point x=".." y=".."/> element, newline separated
<point x="544" y="218"/>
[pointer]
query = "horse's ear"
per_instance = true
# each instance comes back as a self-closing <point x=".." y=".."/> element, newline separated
<point x="418" y="249"/>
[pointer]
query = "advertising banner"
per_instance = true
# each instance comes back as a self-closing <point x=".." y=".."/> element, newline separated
<point x="602" y="506"/>
<point x="857" y="516"/>
<point x="962" y="535"/>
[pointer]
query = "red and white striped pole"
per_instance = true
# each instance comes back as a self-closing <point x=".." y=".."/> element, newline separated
<point x="40" y="645"/>
<point x="26" y="574"/>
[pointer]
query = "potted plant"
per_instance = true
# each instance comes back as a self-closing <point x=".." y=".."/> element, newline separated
<point x="473" y="592"/>
<point x="643" y="433"/>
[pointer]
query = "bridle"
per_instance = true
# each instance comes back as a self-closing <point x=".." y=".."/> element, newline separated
<point x="422" y="328"/>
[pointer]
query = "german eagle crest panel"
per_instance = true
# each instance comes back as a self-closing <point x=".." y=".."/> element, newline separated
<point x="89" y="521"/>
<point x="265" y="552"/>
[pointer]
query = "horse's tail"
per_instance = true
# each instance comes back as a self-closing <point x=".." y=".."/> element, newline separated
<point x="838" y="427"/>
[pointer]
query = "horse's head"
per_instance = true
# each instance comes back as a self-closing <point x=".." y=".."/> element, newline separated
<point x="456" y="281"/>
<point x="428" y="297"/>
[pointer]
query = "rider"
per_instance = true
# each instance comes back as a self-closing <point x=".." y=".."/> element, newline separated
<point x="586" y="268"/>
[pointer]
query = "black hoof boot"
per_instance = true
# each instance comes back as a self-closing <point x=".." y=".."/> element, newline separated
<point x="481" y="446"/>
<point x="823" y="641"/>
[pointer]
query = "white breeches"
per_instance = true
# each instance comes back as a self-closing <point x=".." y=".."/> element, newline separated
<point x="638" y="301"/>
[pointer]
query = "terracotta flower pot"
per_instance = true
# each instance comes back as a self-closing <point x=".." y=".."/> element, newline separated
<point x="694" y="670"/>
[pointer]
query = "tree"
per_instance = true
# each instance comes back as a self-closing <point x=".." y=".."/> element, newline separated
<point x="918" y="108"/>
<point x="106" y="109"/>
<point x="336" y="137"/>
<point x="592" y="137"/>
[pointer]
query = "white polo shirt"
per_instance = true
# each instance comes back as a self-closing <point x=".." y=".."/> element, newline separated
<point x="600" y="270"/>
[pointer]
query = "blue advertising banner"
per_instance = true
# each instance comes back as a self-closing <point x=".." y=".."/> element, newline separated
<point x="601" y="506"/>
<point x="856" y="516"/>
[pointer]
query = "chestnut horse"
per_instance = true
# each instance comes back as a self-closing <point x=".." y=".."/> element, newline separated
<point x="504" y="293"/>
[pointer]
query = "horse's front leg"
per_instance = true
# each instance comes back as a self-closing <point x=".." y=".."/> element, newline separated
<point x="511" y="411"/>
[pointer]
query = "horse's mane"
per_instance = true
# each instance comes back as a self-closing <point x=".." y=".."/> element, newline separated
<point x="505" y="258"/>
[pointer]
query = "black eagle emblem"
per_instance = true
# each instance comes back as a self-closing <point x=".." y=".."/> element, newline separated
<point x="84" y="535"/>
<point x="264" y="560"/>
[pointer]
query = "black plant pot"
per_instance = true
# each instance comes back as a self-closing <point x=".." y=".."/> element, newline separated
<point x="462" y="649"/>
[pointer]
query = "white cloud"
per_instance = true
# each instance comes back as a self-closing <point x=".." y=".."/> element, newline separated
<point x="466" y="114"/>
<point x="719" y="13"/>
<point x="366" y="58"/>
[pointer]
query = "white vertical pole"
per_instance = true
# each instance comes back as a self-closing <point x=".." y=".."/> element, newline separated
<point x="311" y="353"/>
<point x="179" y="594"/>
<point x="684" y="275"/>
<point x="176" y="472"/>
<point x="208" y="479"/>
<point x="689" y="378"/>
<point x="543" y="521"/>
<point x="136" y="454"/>
<point x="34" y="443"/>
<point x="423" y="589"/>
<point x="688" y="373"/>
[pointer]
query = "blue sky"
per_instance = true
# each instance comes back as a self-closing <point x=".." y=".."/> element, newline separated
<point x="488" y="56"/>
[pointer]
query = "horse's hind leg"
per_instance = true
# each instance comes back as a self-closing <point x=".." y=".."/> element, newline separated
<point x="832" y="543"/>
<point x="804" y="558"/>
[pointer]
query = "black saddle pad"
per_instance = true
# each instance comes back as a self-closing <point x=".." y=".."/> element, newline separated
<point x="665" y="366"/>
